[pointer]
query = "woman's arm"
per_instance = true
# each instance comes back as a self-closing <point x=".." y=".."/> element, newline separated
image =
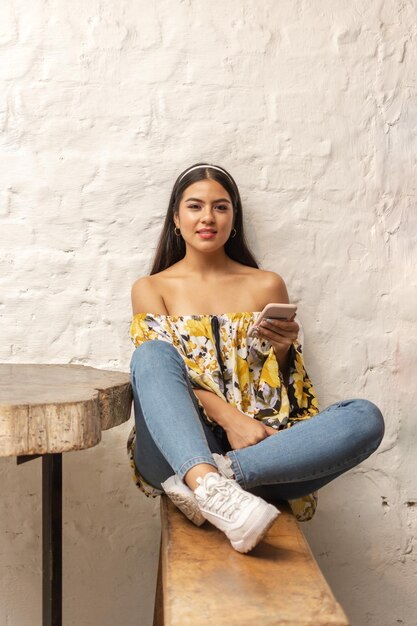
<point x="280" y="334"/>
<point x="217" y="409"/>
<point x="241" y="430"/>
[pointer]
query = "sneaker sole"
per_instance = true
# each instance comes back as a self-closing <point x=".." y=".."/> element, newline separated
<point x="193" y="513"/>
<point x="249" y="541"/>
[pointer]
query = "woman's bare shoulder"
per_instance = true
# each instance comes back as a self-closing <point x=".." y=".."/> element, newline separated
<point x="268" y="278"/>
<point x="275" y="287"/>
<point x="270" y="286"/>
<point x="271" y="278"/>
<point x="146" y="296"/>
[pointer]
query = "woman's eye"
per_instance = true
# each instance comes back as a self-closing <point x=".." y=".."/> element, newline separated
<point x="196" y="206"/>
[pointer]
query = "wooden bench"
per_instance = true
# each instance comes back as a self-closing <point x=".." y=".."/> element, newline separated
<point x="202" y="580"/>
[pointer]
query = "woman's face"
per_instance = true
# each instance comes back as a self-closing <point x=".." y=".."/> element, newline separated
<point x="205" y="205"/>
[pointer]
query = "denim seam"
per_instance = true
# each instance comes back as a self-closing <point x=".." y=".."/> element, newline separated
<point x="323" y="473"/>
<point x="238" y="474"/>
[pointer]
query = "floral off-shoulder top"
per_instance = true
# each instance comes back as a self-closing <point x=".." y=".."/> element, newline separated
<point x="243" y="370"/>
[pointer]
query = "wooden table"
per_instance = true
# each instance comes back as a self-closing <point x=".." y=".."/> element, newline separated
<point x="46" y="410"/>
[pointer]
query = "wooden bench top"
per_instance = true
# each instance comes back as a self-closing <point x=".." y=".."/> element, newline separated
<point x="56" y="408"/>
<point x="203" y="580"/>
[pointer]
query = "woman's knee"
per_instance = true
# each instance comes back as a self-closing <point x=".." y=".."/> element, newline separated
<point x="152" y="353"/>
<point x="368" y="418"/>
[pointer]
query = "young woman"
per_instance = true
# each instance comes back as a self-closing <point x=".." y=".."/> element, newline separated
<point x="223" y="419"/>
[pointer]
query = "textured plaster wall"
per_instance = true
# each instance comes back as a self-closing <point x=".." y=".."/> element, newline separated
<point x="312" y="106"/>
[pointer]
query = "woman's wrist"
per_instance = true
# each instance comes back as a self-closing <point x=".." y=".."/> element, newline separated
<point x="228" y="416"/>
<point x="283" y="360"/>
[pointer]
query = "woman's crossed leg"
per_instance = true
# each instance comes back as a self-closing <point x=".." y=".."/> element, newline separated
<point x="172" y="436"/>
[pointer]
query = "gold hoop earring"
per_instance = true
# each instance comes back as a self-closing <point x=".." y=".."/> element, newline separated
<point x="235" y="232"/>
<point x="175" y="231"/>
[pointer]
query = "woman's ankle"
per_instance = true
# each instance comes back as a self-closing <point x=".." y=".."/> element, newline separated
<point x="201" y="469"/>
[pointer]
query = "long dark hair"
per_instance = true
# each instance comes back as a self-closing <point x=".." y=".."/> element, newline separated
<point x="171" y="248"/>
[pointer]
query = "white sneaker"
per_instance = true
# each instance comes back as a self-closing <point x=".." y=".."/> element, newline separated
<point x="183" y="497"/>
<point x="224" y="465"/>
<point x="242" y="516"/>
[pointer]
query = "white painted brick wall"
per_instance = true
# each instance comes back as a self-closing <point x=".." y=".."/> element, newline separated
<point x="312" y="106"/>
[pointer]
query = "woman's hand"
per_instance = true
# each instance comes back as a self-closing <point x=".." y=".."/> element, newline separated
<point x="280" y="333"/>
<point x="243" y="431"/>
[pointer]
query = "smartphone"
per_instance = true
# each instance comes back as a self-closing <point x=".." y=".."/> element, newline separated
<point x="274" y="310"/>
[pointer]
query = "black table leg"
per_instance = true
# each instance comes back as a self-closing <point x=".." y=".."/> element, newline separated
<point x="51" y="537"/>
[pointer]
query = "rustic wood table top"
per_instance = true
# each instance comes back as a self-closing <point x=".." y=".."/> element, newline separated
<point x="47" y="408"/>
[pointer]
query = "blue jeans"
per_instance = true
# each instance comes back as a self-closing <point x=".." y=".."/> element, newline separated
<point x="172" y="435"/>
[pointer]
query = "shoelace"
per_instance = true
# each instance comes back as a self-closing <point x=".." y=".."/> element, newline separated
<point x="220" y="499"/>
